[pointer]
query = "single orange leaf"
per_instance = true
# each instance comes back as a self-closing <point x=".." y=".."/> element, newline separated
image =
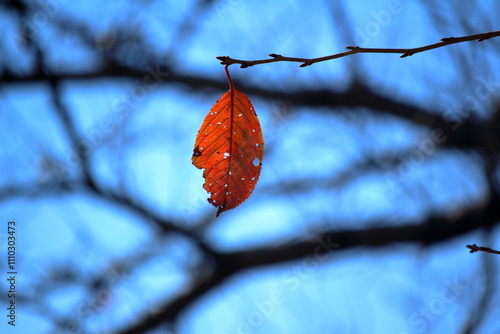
<point x="229" y="147"/>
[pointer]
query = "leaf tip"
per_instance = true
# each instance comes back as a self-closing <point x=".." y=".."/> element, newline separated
<point x="220" y="210"/>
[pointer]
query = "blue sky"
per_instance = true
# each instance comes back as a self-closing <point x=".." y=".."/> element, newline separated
<point x="140" y="138"/>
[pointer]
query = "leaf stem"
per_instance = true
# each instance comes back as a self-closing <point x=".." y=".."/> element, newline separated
<point x="231" y="85"/>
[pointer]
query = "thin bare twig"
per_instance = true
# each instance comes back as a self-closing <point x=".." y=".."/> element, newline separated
<point x="225" y="60"/>
<point x="475" y="248"/>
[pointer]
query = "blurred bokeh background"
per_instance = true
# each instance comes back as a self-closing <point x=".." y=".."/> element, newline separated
<point x="378" y="171"/>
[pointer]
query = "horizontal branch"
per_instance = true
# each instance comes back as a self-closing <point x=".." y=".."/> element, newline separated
<point x="225" y="60"/>
<point x="475" y="248"/>
<point x="358" y="95"/>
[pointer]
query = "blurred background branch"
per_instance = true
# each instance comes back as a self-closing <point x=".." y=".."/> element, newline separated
<point x="376" y="173"/>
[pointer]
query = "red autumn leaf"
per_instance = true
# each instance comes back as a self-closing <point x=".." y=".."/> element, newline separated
<point x="229" y="146"/>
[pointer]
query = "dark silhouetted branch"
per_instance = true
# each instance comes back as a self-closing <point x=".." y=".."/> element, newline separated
<point x="475" y="248"/>
<point x="225" y="60"/>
